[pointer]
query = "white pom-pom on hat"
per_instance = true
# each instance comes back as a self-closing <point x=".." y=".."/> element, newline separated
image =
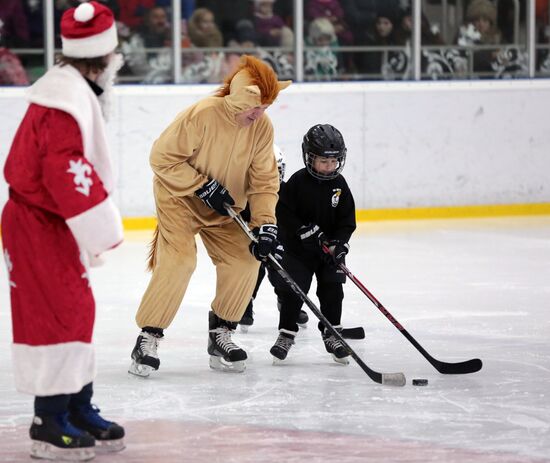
<point x="84" y="12"/>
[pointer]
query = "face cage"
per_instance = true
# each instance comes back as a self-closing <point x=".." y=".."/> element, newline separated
<point x="309" y="158"/>
<point x="281" y="165"/>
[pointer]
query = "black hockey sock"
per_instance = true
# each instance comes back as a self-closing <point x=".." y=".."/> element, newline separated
<point x="158" y="332"/>
<point x="51" y="405"/>
<point x="84" y="397"/>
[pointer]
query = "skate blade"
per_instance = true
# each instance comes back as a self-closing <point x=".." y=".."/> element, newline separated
<point x="109" y="446"/>
<point x="278" y="361"/>
<point x="341" y="361"/>
<point x="302" y="325"/>
<point x="45" y="451"/>
<point x="219" y="364"/>
<point x="137" y="369"/>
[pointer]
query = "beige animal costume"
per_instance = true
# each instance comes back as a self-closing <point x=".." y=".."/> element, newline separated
<point x="205" y="142"/>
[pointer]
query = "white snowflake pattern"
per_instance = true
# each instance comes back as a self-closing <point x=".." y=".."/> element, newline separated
<point x="9" y="266"/>
<point x="81" y="172"/>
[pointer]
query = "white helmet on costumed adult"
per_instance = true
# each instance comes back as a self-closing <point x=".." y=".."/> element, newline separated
<point x="281" y="163"/>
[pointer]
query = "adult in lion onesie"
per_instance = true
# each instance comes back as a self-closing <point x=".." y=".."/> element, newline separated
<point x="218" y="151"/>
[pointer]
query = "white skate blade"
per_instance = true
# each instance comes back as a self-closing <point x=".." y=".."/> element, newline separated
<point x="278" y="361"/>
<point x="341" y="361"/>
<point x="244" y="328"/>
<point x="44" y="451"/>
<point x="137" y="369"/>
<point x="219" y="364"/>
<point x="109" y="446"/>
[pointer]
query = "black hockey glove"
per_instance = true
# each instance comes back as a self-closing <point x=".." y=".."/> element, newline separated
<point x="337" y="252"/>
<point x="266" y="243"/>
<point x="215" y="196"/>
<point x="311" y="237"/>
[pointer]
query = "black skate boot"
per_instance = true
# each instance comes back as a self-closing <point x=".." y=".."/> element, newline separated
<point x="108" y="435"/>
<point x="335" y="347"/>
<point x="225" y="355"/>
<point x="144" y="356"/>
<point x="247" y="319"/>
<point x="302" y="319"/>
<point x="282" y="345"/>
<point x="55" y="438"/>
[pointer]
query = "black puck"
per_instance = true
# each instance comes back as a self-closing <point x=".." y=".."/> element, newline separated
<point x="420" y="382"/>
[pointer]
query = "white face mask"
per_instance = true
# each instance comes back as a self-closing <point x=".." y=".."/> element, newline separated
<point x="106" y="81"/>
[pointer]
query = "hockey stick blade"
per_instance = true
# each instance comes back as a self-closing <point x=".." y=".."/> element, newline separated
<point x="390" y="379"/>
<point x="353" y="333"/>
<point x="446" y="368"/>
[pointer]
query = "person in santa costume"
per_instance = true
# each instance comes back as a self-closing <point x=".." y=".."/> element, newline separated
<point x="59" y="219"/>
<point x="217" y="152"/>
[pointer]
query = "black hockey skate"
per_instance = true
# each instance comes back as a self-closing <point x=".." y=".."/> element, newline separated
<point x="55" y="438"/>
<point x="225" y="355"/>
<point x="108" y="435"/>
<point x="144" y="356"/>
<point x="335" y="347"/>
<point x="247" y="320"/>
<point x="282" y="345"/>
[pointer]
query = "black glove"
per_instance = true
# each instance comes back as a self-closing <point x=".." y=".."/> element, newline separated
<point x="266" y="241"/>
<point x="311" y="237"/>
<point x="215" y="196"/>
<point x="337" y="252"/>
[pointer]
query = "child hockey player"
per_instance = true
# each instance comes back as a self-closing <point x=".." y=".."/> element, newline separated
<point x="247" y="319"/>
<point x="59" y="218"/>
<point x="315" y="207"/>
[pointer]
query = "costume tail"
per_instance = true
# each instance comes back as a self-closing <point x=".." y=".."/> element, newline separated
<point x="152" y="257"/>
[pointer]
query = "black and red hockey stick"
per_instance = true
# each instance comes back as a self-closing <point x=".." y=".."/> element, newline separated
<point x="390" y="379"/>
<point x="447" y="368"/>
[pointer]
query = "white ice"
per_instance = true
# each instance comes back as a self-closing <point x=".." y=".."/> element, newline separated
<point x="462" y="288"/>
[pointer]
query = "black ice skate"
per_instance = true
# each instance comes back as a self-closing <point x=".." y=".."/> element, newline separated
<point x="225" y="355"/>
<point x="282" y="345"/>
<point x="144" y="356"/>
<point x="335" y="347"/>
<point x="55" y="438"/>
<point x="108" y="435"/>
<point x="247" y="320"/>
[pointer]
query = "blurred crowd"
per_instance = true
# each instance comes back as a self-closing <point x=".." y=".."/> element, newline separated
<point x="214" y="33"/>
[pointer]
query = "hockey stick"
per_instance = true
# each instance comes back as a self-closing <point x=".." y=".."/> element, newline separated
<point x="447" y="368"/>
<point x="390" y="379"/>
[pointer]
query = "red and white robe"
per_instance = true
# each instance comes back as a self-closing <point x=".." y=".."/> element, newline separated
<point x="60" y="213"/>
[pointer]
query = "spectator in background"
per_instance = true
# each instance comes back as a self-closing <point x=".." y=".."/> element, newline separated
<point x="205" y="66"/>
<point x="246" y="38"/>
<point x="361" y="16"/>
<point x="383" y="35"/>
<point x="16" y="29"/>
<point x="270" y="27"/>
<point x="332" y="10"/>
<point x="132" y="12"/>
<point x="321" y="63"/>
<point x="227" y="13"/>
<point x="480" y="29"/>
<point x="11" y="70"/>
<point x="154" y="66"/>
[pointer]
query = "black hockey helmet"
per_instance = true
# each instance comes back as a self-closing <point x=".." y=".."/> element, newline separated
<point x="325" y="141"/>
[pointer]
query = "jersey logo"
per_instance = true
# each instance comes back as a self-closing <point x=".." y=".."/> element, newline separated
<point x="336" y="196"/>
<point x="9" y="266"/>
<point x="81" y="174"/>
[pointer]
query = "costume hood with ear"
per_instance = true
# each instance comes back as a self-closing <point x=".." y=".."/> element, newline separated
<point x="252" y="84"/>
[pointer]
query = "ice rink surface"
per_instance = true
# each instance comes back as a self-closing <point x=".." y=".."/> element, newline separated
<point x="462" y="288"/>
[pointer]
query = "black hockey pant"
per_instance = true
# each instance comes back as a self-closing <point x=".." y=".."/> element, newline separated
<point x="329" y="289"/>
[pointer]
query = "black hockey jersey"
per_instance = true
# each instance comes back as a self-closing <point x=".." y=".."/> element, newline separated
<point x="304" y="200"/>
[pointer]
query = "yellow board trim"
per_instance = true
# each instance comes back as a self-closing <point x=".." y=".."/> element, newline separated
<point x="413" y="213"/>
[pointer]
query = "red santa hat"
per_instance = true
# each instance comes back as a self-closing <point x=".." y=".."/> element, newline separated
<point x="88" y="31"/>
